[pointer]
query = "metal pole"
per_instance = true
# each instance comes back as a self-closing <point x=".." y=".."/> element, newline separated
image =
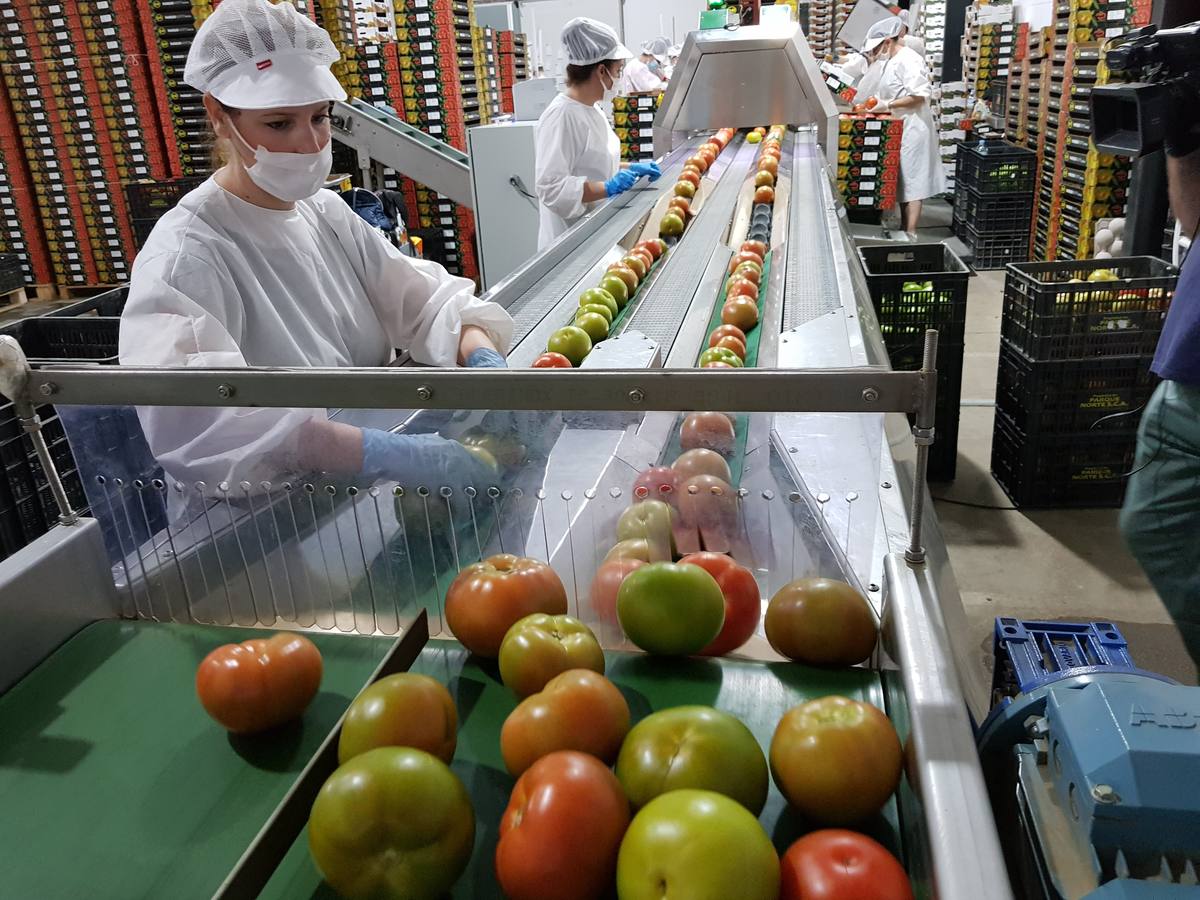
<point x="14" y="384"/>
<point x="923" y="433"/>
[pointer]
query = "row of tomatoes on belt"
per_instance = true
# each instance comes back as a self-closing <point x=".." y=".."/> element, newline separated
<point x="666" y="806"/>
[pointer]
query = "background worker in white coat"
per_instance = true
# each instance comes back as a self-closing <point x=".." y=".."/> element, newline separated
<point x="578" y="153"/>
<point x="640" y="77"/>
<point x="910" y="40"/>
<point x="259" y="266"/>
<point x="903" y="89"/>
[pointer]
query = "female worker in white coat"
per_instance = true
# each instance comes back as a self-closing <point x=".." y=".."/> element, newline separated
<point x="900" y="79"/>
<point x="259" y="266"/>
<point x="578" y="153"/>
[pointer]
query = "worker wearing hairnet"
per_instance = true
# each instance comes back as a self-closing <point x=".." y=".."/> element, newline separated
<point x="259" y="266"/>
<point x="672" y="61"/>
<point x="578" y="153"/>
<point x="640" y="78"/>
<point x="900" y="81"/>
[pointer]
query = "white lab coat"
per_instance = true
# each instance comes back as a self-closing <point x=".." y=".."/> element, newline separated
<point x="574" y="145"/>
<point x="916" y="44"/>
<point x="637" y="78"/>
<point x="921" y="176"/>
<point x="868" y="85"/>
<point x="855" y="66"/>
<point x="224" y="283"/>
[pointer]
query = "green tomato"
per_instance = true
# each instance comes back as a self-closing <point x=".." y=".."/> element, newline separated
<point x="597" y="308"/>
<point x="601" y="296"/>
<point x="617" y="287"/>
<point x="571" y="342"/>
<point x="392" y="822"/>
<point x="541" y="646"/>
<point x="696" y="844"/>
<point x="693" y="747"/>
<point x="721" y="354"/>
<point x="652" y="521"/>
<point x="594" y="324"/>
<point x="671" y="609"/>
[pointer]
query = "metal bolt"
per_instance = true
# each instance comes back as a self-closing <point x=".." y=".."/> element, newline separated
<point x="225" y="391"/>
<point x="886" y="485"/>
<point x="1104" y="793"/>
<point x="424" y="392"/>
<point x="48" y="389"/>
<point x="870" y="395"/>
<point x="637" y="395"/>
<point x="873" y="588"/>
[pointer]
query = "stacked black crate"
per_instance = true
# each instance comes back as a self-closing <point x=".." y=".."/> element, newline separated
<point x="1077" y="340"/>
<point x="993" y="201"/>
<point x="915" y="288"/>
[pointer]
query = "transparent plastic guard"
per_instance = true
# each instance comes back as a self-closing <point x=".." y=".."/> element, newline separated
<point x="341" y="553"/>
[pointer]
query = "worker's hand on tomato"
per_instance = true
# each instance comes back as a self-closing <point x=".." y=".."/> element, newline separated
<point x="651" y="169"/>
<point x="428" y="460"/>
<point x="620" y="183"/>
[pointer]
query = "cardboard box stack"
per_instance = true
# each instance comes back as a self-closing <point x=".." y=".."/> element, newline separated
<point x="987" y="46"/>
<point x="933" y="30"/>
<point x="869" y="160"/>
<point x="633" y="120"/>
<point x="952" y="112"/>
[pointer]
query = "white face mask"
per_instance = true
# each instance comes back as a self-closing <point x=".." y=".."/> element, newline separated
<point x="288" y="176"/>
<point x="610" y="92"/>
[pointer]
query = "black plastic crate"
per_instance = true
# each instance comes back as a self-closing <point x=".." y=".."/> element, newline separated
<point x="150" y="199"/>
<point x="1052" y="310"/>
<point x="77" y="339"/>
<point x="995" y="249"/>
<point x="1071" y="395"/>
<point x="916" y="287"/>
<point x="25" y="512"/>
<point x="108" y="304"/>
<point x="994" y="166"/>
<point x="987" y="213"/>
<point x="943" y="455"/>
<point x="1054" y="471"/>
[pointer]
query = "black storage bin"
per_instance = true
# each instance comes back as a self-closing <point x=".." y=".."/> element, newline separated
<point x="1052" y="310"/>
<point x="108" y="304"/>
<point x="995" y="250"/>
<point x="83" y="339"/>
<point x="993" y="213"/>
<point x="150" y="199"/>
<point x="1072" y="395"/>
<point x="1078" y="469"/>
<point x="994" y="166"/>
<point x="915" y="287"/>
<point x="943" y="455"/>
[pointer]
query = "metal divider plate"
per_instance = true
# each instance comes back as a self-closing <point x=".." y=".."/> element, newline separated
<point x="811" y="287"/>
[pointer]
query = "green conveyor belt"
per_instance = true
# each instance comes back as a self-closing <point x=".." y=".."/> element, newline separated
<point x="114" y="782"/>
<point x="757" y="693"/>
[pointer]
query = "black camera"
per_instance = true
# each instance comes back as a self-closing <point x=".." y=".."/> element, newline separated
<point x="1163" y="68"/>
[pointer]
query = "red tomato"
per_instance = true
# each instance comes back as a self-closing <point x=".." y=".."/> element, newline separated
<point x="550" y="360"/>
<point x="741" y="287"/>
<point x="636" y="262"/>
<point x="656" y="483"/>
<point x="701" y="462"/>
<point x="605" y="586"/>
<point x="487" y="598"/>
<point x="741" y="311"/>
<point x="750" y="272"/>
<point x="654" y="248"/>
<point x="835" y="864"/>
<point x="722" y="330"/>
<point x="835" y="759"/>
<point x="745" y="256"/>
<point x="699" y="162"/>
<point x="260" y="683"/>
<point x="769" y="164"/>
<point x="707" y="430"/>
<point x="561" y="832"/>
<point x="690" y="177"/>
<point x="577" y="710"/>
<point x="821" y="622"/>
<point x="764" y="195"/>
<point x="759" y="247"/>
<point x="729" y="342"/>
<point x="683" y="204"/>
<point x="643" y="255"/>
<point x="742" y="603"/>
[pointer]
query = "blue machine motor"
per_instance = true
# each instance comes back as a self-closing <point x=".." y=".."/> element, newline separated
<point x="1105" y="761"/>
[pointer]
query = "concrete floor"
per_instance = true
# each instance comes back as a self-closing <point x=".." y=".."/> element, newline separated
<point x="1042" y="564"/>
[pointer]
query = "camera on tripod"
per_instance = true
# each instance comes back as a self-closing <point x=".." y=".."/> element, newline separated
<point x="1130" y="119"/>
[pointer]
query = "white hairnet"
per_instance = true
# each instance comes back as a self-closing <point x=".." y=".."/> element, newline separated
<point x="675" y="51"/>
<point x="904" y="18"/>
<point x="253" y="54"/>
<point x="588" y="41"/>
<point x="881" y="31"/>
<point x="657" y="48"/>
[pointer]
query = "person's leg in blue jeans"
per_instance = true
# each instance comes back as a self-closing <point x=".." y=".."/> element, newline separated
<point x="1161" y="516"/>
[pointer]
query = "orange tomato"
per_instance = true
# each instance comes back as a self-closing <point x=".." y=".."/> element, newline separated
<point x="402" y="710"/>
<point x="745" y="256"/>
<point x="741" y="287"/>
<point x="706" y="430"/>
<point x="742" y="312"/>
<point x="689" y="176"/>
<point x="759" y="247"/>
<point x="750" y="272"/>
<point x="724" y="330"/>
<point x="260" y="683"/>
<point x="821" y="622"/>
<point x="764" y="195"/>
<point x="626" y="274"/>
<point x="605" y="585"/>
<point x="488" y="597"/>
<point x="769" y="164"/>
<point x="729" y="342"/>
<point x="577" y="710"/>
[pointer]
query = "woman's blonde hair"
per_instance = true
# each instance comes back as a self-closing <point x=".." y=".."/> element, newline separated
<point x="221" y="152"/>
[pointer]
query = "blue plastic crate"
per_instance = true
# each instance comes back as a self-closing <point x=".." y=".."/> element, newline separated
<point x="1030" y="655"/>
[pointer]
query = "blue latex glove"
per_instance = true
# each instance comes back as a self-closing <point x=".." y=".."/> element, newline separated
<point x="620" y="183"/>
<point x="486" y="358"/>
<point x="646" y="168"/>
<point x="423" y="460"/>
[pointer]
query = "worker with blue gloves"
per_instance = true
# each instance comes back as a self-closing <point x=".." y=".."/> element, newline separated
<point x="578" y="152"/>
<point x="259" y="266"/>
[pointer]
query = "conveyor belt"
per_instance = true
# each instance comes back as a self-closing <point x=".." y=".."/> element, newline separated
<point x="540" y="300"/>
<point x="810" y="288"/>
<point x="662" y="310"/>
